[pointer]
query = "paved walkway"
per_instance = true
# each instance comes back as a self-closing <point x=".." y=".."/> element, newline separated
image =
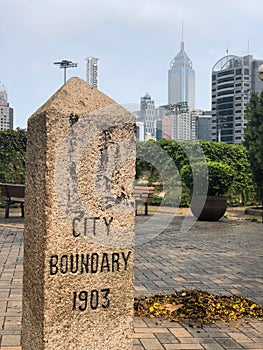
<point x="224" y="257"/>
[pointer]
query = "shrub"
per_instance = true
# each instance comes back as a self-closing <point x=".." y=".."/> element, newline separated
<point x="213" y="178"/>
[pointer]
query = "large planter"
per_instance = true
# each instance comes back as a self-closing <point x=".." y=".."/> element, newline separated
<point x="208" y="208"/>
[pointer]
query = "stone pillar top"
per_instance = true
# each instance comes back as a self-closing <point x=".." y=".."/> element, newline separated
<point x="76" y="95"/>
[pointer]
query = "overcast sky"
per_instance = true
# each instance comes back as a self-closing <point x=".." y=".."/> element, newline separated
<point x="135" y="40"/>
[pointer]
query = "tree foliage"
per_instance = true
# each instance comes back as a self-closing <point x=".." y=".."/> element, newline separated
<point x="242" y="189"/>
<point x="216" y="175"/>
<point x="12" y="156"/>
<point x="254" y="139"/>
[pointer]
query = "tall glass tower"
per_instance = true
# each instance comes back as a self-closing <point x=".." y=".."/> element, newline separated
<point x="181" y="80"/>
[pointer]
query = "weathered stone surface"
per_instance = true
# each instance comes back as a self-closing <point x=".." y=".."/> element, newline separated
<point x="79" y="223"/>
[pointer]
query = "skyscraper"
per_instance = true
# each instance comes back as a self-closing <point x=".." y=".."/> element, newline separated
<point x="6" y="112"/>
<point x="233" y="79"/>
<point x="181" y="79"/>
<point x="92" y="71"/>
<point x="147" y="114"/>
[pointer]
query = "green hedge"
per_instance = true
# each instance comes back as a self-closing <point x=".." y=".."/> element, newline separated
<point x="164" y="154"/>
<point x="242" y="190"/>
<point x="12" y="156"/>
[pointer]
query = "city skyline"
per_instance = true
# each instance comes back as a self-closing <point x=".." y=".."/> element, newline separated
<point x="134" y="47"/>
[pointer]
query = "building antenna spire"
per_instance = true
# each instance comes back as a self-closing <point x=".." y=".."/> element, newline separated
<point x="182" y="49"/>
<point x="248" y="46"/>
<point x="182" y="41"/>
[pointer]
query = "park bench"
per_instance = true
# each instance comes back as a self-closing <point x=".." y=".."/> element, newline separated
<point x="142" y="194"/>
<point x="13" y="193"/>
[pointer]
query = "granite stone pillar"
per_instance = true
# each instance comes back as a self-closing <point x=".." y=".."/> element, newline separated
<point x="79" y="223"/>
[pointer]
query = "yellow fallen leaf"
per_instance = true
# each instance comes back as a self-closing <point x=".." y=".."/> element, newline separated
<point x="172" y="308"/>
<point x="151" y="309"/>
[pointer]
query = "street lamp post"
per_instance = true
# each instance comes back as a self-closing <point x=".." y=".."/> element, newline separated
<point x="65" y="64"/>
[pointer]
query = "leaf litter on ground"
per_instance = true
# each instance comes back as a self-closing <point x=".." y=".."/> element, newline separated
<point x="196" y="305"/>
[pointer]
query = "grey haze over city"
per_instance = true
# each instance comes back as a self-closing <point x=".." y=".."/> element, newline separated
<point x="134" y="40"/>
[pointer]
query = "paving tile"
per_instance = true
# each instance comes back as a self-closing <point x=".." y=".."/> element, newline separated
<point x="151" y="330"/>
<point x="196" y="340"/>
<point x="10" y="340"/>
<point x="180" y="332"/>
<point x="239" y="337"/>
<point x="145" y="335"/>
<point x="166" y="338"/>
<point x="151" y="344"/>
<point x="228" y="343"/>
<point x="253" y="346"/>
<point x="184" y="347"/>
<point x="214" y="346"/>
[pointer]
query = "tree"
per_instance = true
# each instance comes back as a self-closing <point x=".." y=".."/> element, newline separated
<point x="254" y="140"/>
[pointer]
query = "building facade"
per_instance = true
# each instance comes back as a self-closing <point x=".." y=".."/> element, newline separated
<point x="203" y="124"/>
<point x="178" y="123"/>
<point x="6" y="112"/>
<point x="140" y="134"/>
<point x="181" y="80"/>
<point x="233" y="80"/>
<point x="159" y="129"/>
<point x="147" y="114"/>
<point x="167" y="127"/>
<point x="182" y="124"/>
<point x="92" y="71"/>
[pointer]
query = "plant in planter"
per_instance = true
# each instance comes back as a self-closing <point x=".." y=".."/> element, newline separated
<point x="208" y="183"/>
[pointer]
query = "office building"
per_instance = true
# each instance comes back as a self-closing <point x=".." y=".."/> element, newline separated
<point x="181" y="80"/>
<point x="203" y="124"/>
<point x="6" y="112"/>
<point x="147" y="114"/>
<point x="182" y="124"/>
<point x="92" y="71"/>
<point x="233" y="80"/>
<point x="178" y="123"/>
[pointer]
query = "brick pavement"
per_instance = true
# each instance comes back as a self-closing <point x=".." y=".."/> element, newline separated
<point x="224" y="257"/>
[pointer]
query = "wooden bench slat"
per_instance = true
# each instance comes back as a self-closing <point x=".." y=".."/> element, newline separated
<point x="17" y="199"/>
<point x="142" y="195"/>
<point x="13" y="193"/>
